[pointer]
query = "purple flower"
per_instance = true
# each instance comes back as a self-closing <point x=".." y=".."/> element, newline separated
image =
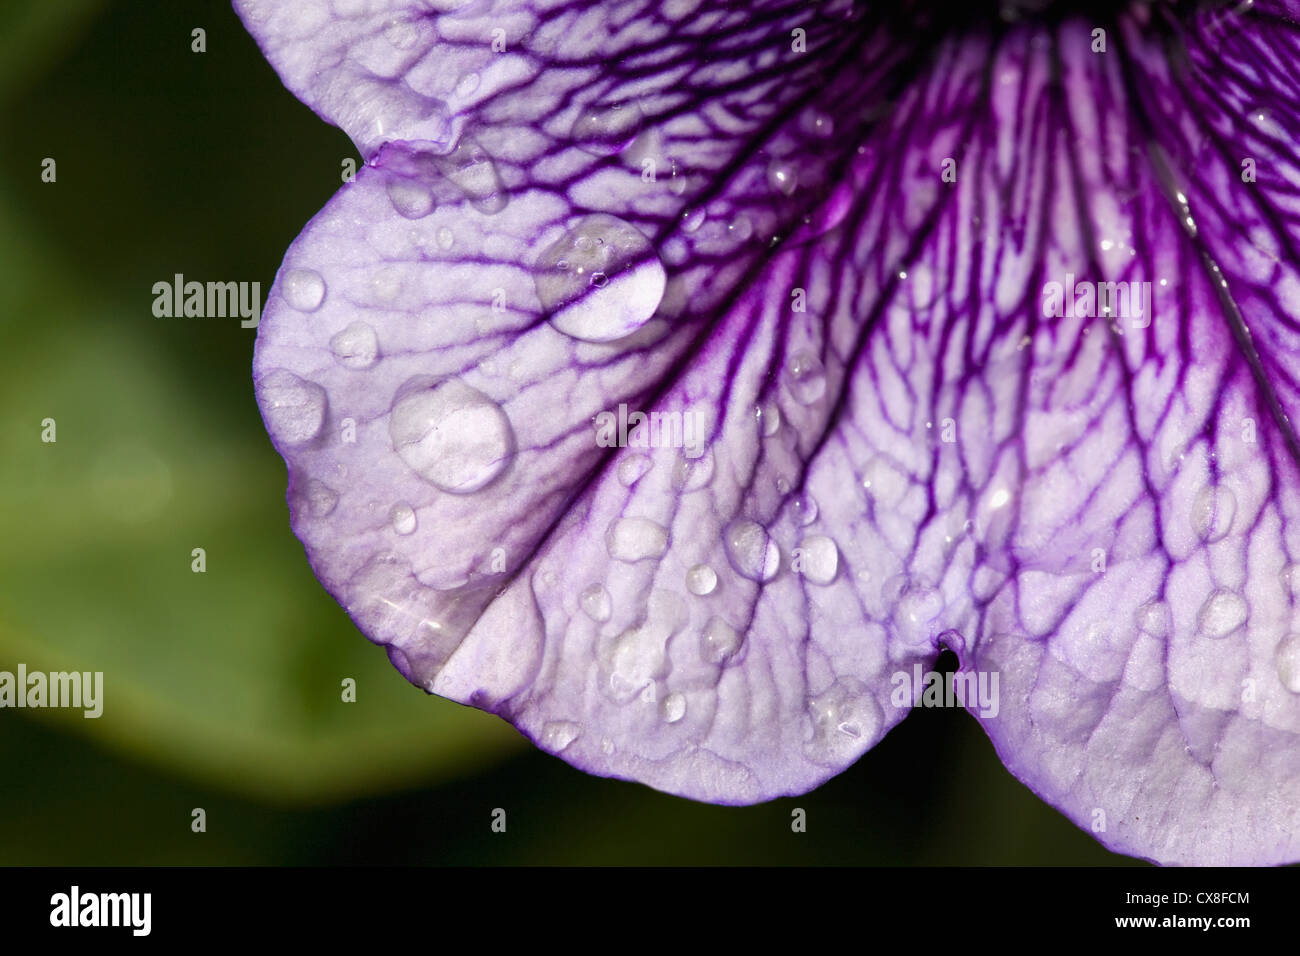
<point x="677" y="381"/>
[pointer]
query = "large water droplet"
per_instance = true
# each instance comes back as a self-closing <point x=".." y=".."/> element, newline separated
<point x="673" y="708"/>
<point x="1287" y="660"/>
<point x="403" y="518"/>
<point x="601" y="280"/>
<point x="769" y="418"/>
<point x="719" y="641"/>
<point x="596" y="603"/>
<point x="356" y="347"/>
<point x="604" y="129"/>
<point x="753" y="554"/>
<point x="701" y="580"/>
<point x="558" y="734"/>
<point x="474" y="173"/>
<point x="1212" y="513"/>
<point x="1222" y="613"/>
<point x="411" y="199"/>
<point x="805" y="377"/>
<point x="451" y="435"/>
<point x="635" y="539"/>
<point x="632" y="469"/>
<point x="294" y="408"/>
<point x="304" y="289"/>
<point x="819" y="559"/>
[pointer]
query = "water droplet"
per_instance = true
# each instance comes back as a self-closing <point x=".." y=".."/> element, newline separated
<point x="451" y="435"/>
<point x="1212" y="513"/>
<point x="740" y="228"/>
<point x="819" y="559"/>
<point x="719" y="641"/>
<point x="596" y="603"/>
<point x="816" y="123"/>
<point x="769" y="418"/>
<point x="558" y="734"/>
<point x="701" y="580"/>
<point x="632" y="469"/>
<point x="692" y="219"/>
<point x="692" y="474"/>
<point x="410" y="199"/>
<point x="753" y="554"/>
<point x="635" y="539"/>
<point x="781" y="176"/>
<point x="633" y="286"/>
<point x="915" y="613"/>
<point x="402" y="34"/>
<point x="471" y="170"/>
<point x="845" y="719"/>
<point x="1222" y="613"/>
<point x="1287" y="660"/>
<point x="356" y="347"/>
<point x="294" y="408"/>
<point x="304" y="289"/>
<point x="321" y="499"/>
<point x="673" y="708"/>
<point x="805" y="377"/>
<point x="804" y="509"/>
<point x="603" y="129"/>
<point x="445" y="238"/>
<point x="1153" y="618"/>
<point x="403" y="518"/>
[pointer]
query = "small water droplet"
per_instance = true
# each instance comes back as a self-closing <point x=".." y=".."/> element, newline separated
<point x="403" y="518"/>
<point x="451" y="435"/>
<point x="845" y="719"/>
<point x="816" y="123"/>
<point x="467" y="84"/>
<point x="673" y="708"/>
<point x="596" y="603"/>
<point x="632" y="469"/>
<point x="1287" y="661"/>
<point x="692" y="219"/>
<point x="916" y="611"/>
<point x="304" y="289"/>
<point x="355" y="347"/>
<point x="410" y="199"/>
<point x="819" y="559"/>
<point x="294" y="408"/>
<point x="740" y="228"/>
<point x="321" y="499"/>
<point x="719" y="641"/>
<point x="635" y="539"/>
<point x="805" y="377"/>
<point x="753" y="554"/>
<point x="1223" y="612"/>
<point x="1213" y="511"/>
<point x="1153" y="618"/>
<point x="401" y="33"/>
<point x="804" y="509"/>
<point x="628" y="294"/>
<point x="445" y="238"/>
<point x="701" y="580"/>
<point x="603" y="129"/>
<point x="782" y="177"/>
<point x="769" y="418"/>
<point x="558" y="734"/>
<point x="692" y="474"/>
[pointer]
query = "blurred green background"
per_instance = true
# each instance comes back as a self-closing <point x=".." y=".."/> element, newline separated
<point x="222" y="689"/>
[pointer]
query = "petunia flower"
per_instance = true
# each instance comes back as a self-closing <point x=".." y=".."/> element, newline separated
<point x="678" y="380"/>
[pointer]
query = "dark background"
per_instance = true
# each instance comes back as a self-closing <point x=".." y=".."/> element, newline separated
<point x="222" y="688"/>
